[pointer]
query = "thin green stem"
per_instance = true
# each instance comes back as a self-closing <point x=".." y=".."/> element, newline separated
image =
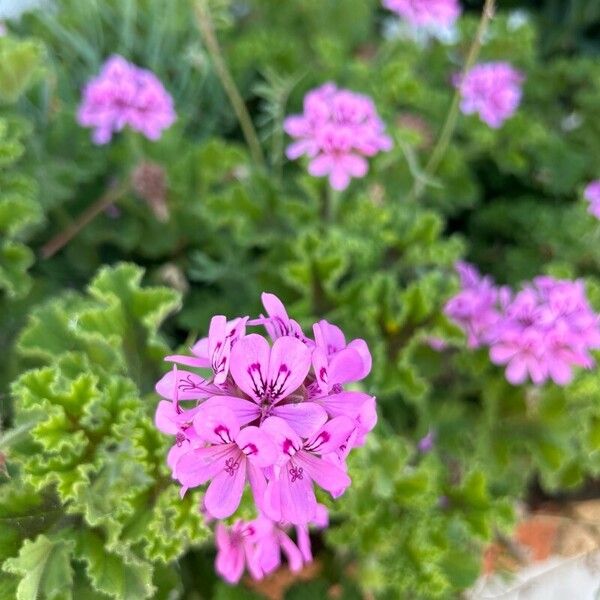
<point x="207" y="31"/>
<point x="114" y="193"/>
<point x="441" y="146"/>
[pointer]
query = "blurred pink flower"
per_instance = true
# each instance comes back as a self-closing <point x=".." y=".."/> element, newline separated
<point x="426" y="13"/>
<point x="338" y="130"/>
<point x="592" y="195"/>
<point x="540" y="333"/>
<point x="125" y="95"/>
<point x="493" y="90"/>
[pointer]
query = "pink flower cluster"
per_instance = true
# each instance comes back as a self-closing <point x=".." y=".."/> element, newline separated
<point x="257" y="545"/>
<point x="592" y="195"/>
<point x="337" y="130"/>
<point x="272" y="414"/>
<point x="493" y="90"/>
<point x="125" y="95"/>
<point x="426" y="13"/>
<point x="541" y="332"/>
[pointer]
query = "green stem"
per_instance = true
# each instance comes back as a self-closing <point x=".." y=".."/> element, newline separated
<point x="207" y="31"/>
<point x="452" y="117"/>
<point x="114" y="193"/>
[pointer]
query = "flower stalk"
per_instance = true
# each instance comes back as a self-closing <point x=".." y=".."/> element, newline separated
<point x="439" y="151"/>
<point x="207" y="31"/>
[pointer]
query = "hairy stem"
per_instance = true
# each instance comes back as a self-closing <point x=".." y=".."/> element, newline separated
<point x="452" y="117"/>
<point x="112" y="194"/>
<point x="207" y="31"/>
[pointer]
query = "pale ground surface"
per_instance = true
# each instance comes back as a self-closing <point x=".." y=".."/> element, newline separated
<point x="557" y="578"/>
<point x="554" y="554"/>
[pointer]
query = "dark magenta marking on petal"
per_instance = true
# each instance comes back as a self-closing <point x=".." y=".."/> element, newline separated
<point x="250" y="449"/>
<point x="222" y="432"/>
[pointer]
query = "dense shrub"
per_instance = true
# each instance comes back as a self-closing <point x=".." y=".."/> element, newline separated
<point x="113" y="256"/>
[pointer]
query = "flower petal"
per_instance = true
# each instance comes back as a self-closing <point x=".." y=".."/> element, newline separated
<point x="230" y="558"/>
<point x="304" y="418"/>
<point x="190" y="386"/>
<point x="249" y="364"/>
<point x="288" y="367"/>
<point x="216" y="425"/>
<point x="324" y="473"/>
<point x="290" y="497"/>
<point x="245" y="411"/>
<point x="331" y="436"/>
<point x="225" y="491"/>
<point x="344" y="403"/>
<point x="201" y="464"/>
<point x="257" y="445"/>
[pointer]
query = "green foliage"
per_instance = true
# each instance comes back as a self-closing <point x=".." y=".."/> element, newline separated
<point x="87" y="508"/>
<point x="20" y="63"/>
<point x="90" y="444"/>
<point x="413" y="522"/>
<point x="45" y="569"/>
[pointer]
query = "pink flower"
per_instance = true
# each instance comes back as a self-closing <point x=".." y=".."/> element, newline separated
<point x="475" y="308"/>
<point x="233" y="454"/>
<point x="258" y="545"/>
<point x="493" y="90"/>
<point x="541" y="333"/>
<point x="125" y="95"/>
<point x="592" y="195"/>
<point x="270" y="413"/>
<point x="290" y="496"/>
<point x="426" y="13"/>
<point x="236" y="549"/>
<point x="337" y="130"/>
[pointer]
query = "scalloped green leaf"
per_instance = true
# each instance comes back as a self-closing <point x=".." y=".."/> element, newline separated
<point x="44" y="566"/>
<point x="20" y="64"/>
<point x="119" y="576"/>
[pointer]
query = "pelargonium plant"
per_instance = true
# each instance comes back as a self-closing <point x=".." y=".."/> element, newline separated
<point x="493" y="90"/>
<point x="541" y="332"/>
<point x="338" y="131"/>
<point x="426" y="13"/>
<point x="273" y="414"/>
<point x="124" y="95"/>
<point x="592" y="195"/>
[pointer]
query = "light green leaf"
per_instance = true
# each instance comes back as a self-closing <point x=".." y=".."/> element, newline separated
<point x="44" y="566"/>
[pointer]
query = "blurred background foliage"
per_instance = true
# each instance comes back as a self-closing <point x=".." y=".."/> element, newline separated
<point x="84" y="494"/>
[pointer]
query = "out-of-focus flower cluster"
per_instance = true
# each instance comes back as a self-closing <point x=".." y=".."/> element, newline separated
<point x="540" y="332"/>
<point x="124" y="95"/>
<point x="338" y="130"/>
<point x="426" y="13"/>
<point x="492" y="90"/>
<point x="592" y="195"/>
<point x="272" y="414"/>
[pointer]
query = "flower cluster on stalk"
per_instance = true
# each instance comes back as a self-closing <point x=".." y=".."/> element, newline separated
<point x="338" y="131"/>
<point x="124" y="95"/>
<point x="592" y="195"/>
<point x="426" y="13"/>
<point x="540" y="332"/>
<point x="492" y="90"/>
<point x="272" y="414"/>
